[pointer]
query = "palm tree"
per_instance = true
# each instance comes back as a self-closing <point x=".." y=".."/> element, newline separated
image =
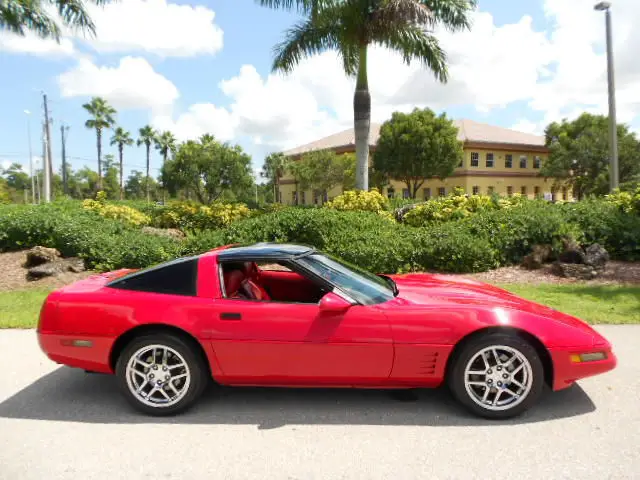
<point x="165" y="144"/>
<point x="102" y="114"/>
<point x="147" y="136"/>
<point x="351" y="26"/>
<point x="274" y="168"/>
<point x="19" y="16"/>
<point x="121" y="138"/>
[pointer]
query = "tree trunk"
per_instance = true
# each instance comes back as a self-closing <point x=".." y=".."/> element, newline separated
<point x="99" y="145"/>
<point x="362" y="122"/>
<point x="164" y="161"/>
<point x="120" y="148"/>
<point x="148" y="159"/>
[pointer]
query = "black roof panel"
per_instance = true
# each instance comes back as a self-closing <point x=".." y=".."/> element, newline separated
<point x="263" y="250"/>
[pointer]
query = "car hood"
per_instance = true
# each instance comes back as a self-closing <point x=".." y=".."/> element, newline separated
<point x="442" y="290"/>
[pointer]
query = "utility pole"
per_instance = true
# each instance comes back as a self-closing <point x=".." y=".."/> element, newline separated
<point x="613" y="125"/>
<point x="33" y="180"/>
<point x="47" y="161"/>
<point x="65" y="180"/>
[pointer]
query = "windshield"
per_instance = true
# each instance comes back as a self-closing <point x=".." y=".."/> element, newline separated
<point x="362" y="286"/>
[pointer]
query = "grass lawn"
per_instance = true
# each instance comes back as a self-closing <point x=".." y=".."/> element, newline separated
<point x="20" y="308"/>
<point x="592" y="303"/>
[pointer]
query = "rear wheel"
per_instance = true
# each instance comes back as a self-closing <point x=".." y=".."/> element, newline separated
<point x="497" y="376"/>
<point x="161" y="374"/>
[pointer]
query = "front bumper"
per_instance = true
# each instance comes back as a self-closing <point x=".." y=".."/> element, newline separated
<point x="566" y="370"/>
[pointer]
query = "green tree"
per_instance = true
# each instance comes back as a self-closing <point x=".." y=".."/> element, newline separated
<point x="322" y="170"/>
<point x="5" y="197"/>
<point x="121" y="137"/>
<point x="165" y="144"/>
<point x="579" y="154"/>
<point x="110" y="177"/>
<point x="17" y="178"/>
<point x="418" y="145"/>
<point x="275" y="166"/>
<point x="82" y="183"/>
<point x="209" y="169"/>
<point x="139" y="187"/>
<point x="102" y="117"/>
<point x="351" y="26"/>
<point x="147" y="137"/>
<point x="20" y="16"/>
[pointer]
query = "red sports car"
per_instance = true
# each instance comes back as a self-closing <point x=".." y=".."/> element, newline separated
<point x="288" y="315"/>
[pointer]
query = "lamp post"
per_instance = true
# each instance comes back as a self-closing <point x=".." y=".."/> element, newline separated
<point x="613" y="132"/>
<point x="33" y="181"/>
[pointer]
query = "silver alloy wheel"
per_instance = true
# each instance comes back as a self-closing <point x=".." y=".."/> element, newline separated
<point x="158" y="376"/>
<point x="498" y="377"/>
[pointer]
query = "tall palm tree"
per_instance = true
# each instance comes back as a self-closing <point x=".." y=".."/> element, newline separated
<point x="274" y="168"/>
<point x="121" y="137"/>
<point x="103" y="117"/>
<point x="19" y="16"/>
<point x="147" y="136"/>
<point x="351" y="26"/>
<point x="165" y="144"/>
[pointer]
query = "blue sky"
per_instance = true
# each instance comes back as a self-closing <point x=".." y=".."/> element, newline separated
<point x="524" y="63"/>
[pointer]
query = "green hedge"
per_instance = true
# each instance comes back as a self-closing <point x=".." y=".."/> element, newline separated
<point x="103" y="243"/>
<point x="478" y="242"/>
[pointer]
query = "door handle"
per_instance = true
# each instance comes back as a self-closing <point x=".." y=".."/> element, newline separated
<point x="230" y="316"/>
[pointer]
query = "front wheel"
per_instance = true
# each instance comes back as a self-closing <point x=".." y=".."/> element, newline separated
<point x="497" y="376"/>
<point x="160" y="374"/>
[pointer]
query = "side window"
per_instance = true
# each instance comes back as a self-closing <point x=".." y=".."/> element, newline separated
<point x="177" y="277"/>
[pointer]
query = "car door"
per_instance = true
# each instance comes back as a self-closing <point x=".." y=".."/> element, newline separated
<point x="272" y="343"/>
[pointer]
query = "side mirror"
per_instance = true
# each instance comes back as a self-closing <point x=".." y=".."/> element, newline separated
<point x="332" y="303"/>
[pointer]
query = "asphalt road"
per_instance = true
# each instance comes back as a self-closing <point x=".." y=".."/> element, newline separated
<point x="57" y="423"/>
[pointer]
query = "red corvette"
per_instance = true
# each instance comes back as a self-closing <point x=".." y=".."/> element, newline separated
<point x="288" y="315"/>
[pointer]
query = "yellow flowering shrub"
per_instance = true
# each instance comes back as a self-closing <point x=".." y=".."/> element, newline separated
<point x="371" y="201"/>
<point x="627" y="202"/>
<point x="193" y="216"/>
<point x="122" y="213"/>
<point x="453" y="207"/>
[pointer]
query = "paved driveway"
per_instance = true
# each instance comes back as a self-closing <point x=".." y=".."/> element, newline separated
<point x="56" y="422"/>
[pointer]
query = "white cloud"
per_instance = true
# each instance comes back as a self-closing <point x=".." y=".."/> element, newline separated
<point x="151" y="26"/>
<point x="32" y="44"/>
<point x="199" y="119"/>
<point x="132" y="84"/>
<point x="155" y="26"/>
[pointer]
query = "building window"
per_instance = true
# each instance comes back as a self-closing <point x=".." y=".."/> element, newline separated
<point x="405" y="193"/>
<point x="564" y="194"/>
<point x="489" y="160"/>
<point x="294" y="197"/>
<point x="391" y="192"/>
<point x="508" y="161"/>
<point x="475" y="159"/>
<point x="490" y="190"/>
<point x="536" y="192"/>
<point x="476" y="190"/>
<point x="303" y="198"/>
<point x="325" y="197"/>
<point x="537" y="162"/>
<point x="523" y="190"/>
<point x="523" y="161"/>
<point x="426" y="192"/>
<point x="509" y="191"/>
<point x="461" y="164"/>
<point x="442" y="192"/>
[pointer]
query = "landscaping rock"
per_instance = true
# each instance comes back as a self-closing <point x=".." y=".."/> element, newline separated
<point x="572" y="252"/>
<point x="574" y="270"/>
<point x="40" y="255"/>
<point x="56" y="267"/>
<point x="399" y="213"/>
<point x="539" y="255"/>
<point x="596" y="256"/>
<point x="164" y="232"/>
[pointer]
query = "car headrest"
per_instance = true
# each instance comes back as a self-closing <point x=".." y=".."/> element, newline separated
<point x="250" y="269"/>
<point x="233" y="281"/>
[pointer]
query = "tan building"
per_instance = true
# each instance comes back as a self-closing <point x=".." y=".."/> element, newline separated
<point x="496" y="159"/>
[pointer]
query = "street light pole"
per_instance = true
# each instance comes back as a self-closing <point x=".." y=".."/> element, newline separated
<point x="613" y="129"/>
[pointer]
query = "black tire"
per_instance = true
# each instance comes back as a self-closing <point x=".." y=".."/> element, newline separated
<point x="199" y="377"/>
<point x="456" y="375"/>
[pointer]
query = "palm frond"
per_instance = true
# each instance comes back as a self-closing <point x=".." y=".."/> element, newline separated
<point x="404" y="12"/>
<point x="453" y="14"/>
<point x="305" y="39"/>
<point x="414" y="43"/>
<point x="74" y="15"/>
<point x="19" y="16"/>
<point x="301" y="6"/>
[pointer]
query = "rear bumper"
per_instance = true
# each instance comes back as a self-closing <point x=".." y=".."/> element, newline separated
<point x="79" y="351"/>
<point x="566" y="371"/>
